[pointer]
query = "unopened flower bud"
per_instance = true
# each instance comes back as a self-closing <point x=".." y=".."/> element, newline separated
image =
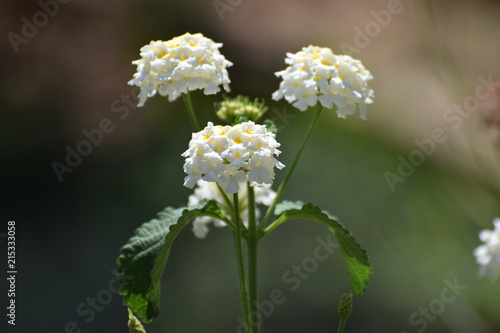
<point x="345" y="305"/>
<point x="240" y="109"/>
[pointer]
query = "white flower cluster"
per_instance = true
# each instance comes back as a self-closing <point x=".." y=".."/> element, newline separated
<point x="182" y="64"/>
<point x="209" y="191"/>
<point x="231" y="155"/>
<point x="488" y="255"/>
<point x="316" y="74"/>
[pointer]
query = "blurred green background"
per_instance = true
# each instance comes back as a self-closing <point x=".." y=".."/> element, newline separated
<point x="72" y="73"/>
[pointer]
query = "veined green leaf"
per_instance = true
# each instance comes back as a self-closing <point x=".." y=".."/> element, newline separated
<point x="142" y="259"/>
<point x="354" y="256"/>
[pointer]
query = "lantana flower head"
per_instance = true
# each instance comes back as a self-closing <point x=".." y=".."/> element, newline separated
<point x="488" y="254"/>
<point x="316" y="75"/>
<point x="264" y="195"/>
<point x="184" y="63"/>
<point x="232" y="155"/>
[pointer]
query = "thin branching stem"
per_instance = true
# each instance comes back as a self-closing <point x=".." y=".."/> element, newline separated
<point x="241" y="262"/>
<point x="311" y="128"/>
<point x="190" y="110"/>
<point x="252" y="250"/>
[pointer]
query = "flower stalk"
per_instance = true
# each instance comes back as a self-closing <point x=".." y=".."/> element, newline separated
<point x="252" y="250"/>
<point x="283" y="184"/>
<point x="241" y="263"/>
<point x="190" y="110"/>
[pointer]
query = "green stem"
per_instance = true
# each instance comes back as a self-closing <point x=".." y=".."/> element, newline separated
<point x="272" y="226"/>
<point x="241" y="262"/>
<point x="342" y="325"/>
<point x="314" y="121"/>
<point x="252" y="222"/>
<point x="190" y="109"/>
<point x="229" y="204"/>
<point x="252" y="250"/>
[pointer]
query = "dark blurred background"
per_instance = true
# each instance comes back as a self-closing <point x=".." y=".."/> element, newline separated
<point x="69" y="73"/>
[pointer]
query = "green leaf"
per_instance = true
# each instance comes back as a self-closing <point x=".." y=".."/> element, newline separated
<point x="354" y="256"/>
<point x="142" y="259"/>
